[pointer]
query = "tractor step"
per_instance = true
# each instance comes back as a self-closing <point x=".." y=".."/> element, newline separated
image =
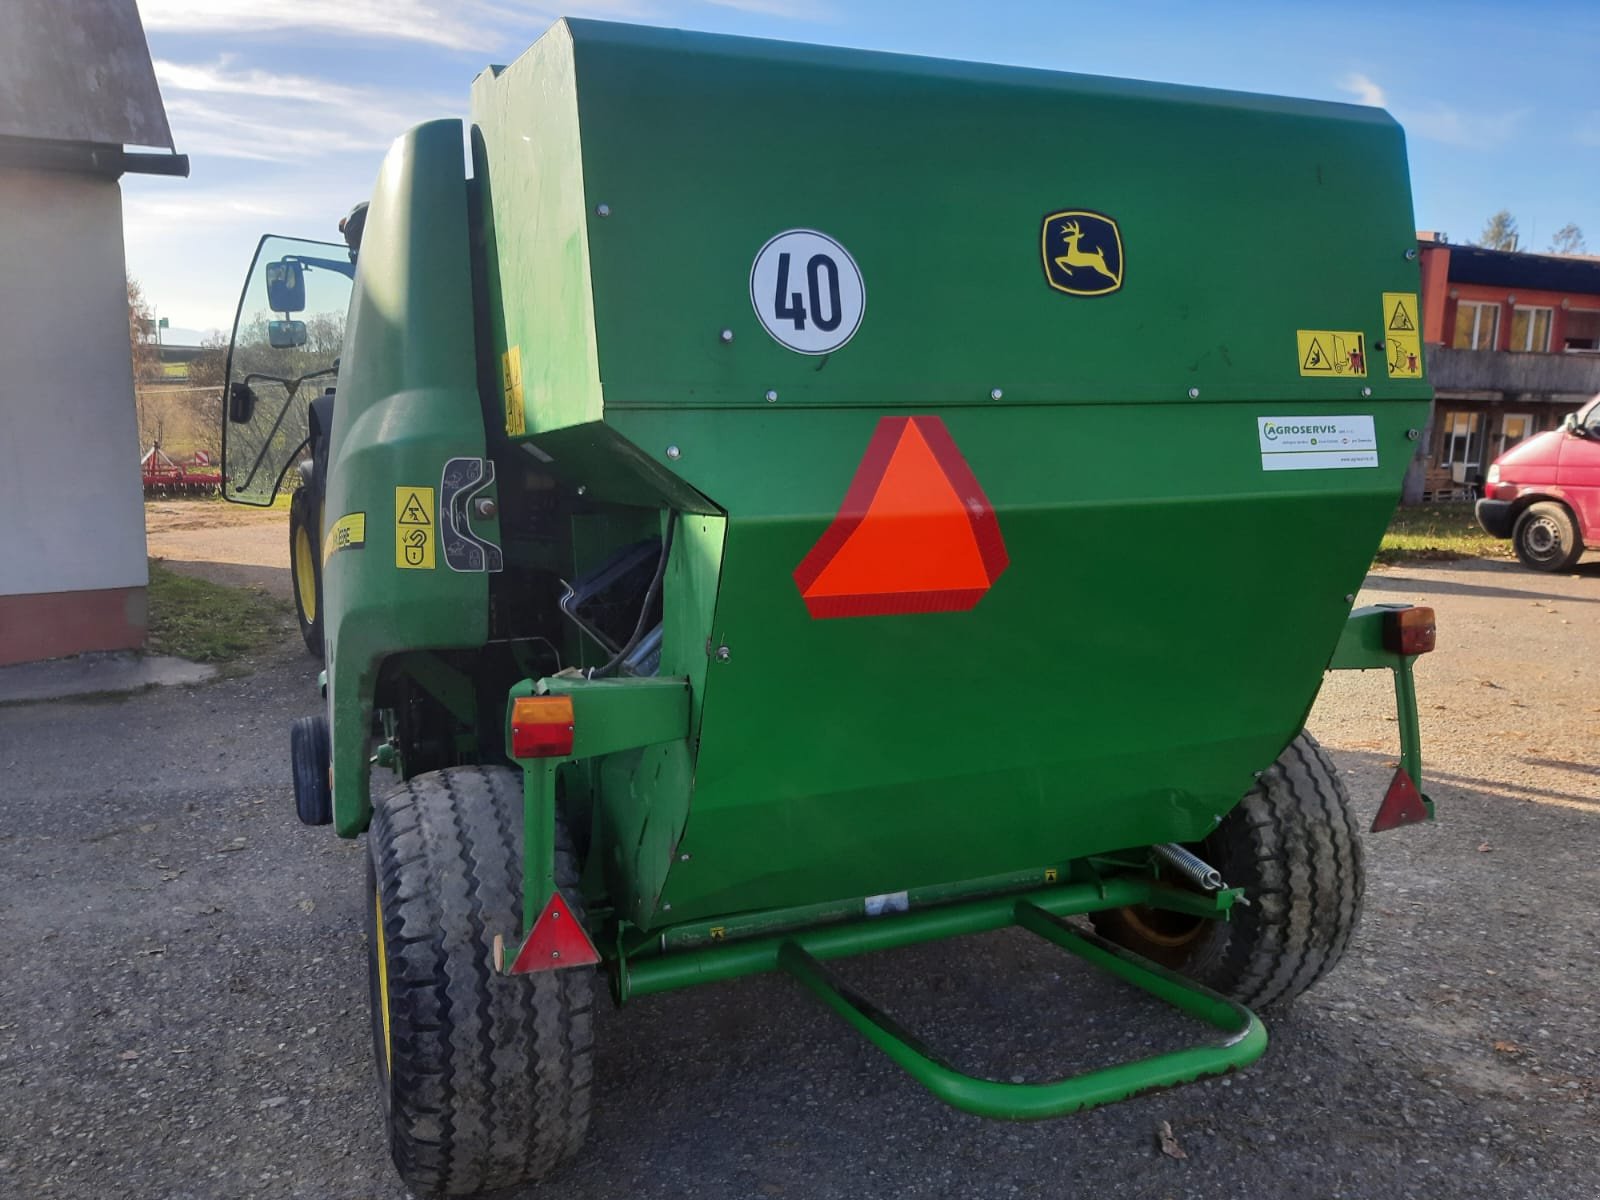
<point x="1244" y="1040"/>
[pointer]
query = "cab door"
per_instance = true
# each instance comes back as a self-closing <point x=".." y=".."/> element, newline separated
<point x="1578" y="471"/>
<point x="287" y="337"/>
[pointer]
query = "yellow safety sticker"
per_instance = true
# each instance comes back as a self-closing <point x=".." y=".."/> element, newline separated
<point x="1332" y="352"/>
<point x="1402" y="335"/>
<point x="413" y="528"/>
<point x="349" y="532"/>
<point x="511" y="385"/>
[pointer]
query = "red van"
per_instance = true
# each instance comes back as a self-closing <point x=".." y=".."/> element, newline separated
<point x="1544" y="493"/>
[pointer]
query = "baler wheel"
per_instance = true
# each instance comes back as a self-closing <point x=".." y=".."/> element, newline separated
<point x="305" y="564"/>
<point x="484" y="1078"/>
<point x="1292" y="844"/>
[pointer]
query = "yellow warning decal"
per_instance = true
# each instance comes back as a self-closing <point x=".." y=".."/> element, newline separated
<point x="511" y="386"/>
<point x="413" y="528"/>
<point x="1402" y="335"/>
<point x="349" y="532"/>
<point x="1332" y="352"/>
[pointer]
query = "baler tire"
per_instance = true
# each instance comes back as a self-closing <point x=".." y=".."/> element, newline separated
<point x="1555" y="522"/>
<point x="484" y="1078"/>
<point x="1294" y="847"/>
<point x="305" y="567"/>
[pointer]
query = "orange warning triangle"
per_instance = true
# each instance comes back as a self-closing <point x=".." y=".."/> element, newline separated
<point x="915" y="532"/>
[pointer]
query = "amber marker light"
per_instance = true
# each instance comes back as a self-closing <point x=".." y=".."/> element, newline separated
<point x="541" y="727"/>
<point x="1409" y="631"/>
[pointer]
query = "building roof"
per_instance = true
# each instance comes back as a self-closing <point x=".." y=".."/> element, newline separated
<point x="78" y="72"/>
<point x="1507" y="268"/>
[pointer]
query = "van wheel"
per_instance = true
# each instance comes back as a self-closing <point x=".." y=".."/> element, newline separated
<point x="484" y="1078"/>
<point x="1546" y="537"/>
<point x="1292" y="844"/>
<point x="305" y="564"/>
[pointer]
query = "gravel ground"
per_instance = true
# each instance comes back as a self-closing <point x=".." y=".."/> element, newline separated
<point x="182" y="1007"/>
<point x="222" y="542"/>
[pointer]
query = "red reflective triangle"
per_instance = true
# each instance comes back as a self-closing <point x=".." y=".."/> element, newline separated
<point x="915" y="532"/>
<point x="1402" y="804"/>
<point x="555" y="941"/>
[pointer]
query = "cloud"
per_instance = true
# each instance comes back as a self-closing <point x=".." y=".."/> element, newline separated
<point x="1364" y="90"/>
<point x="797" y="10"/>
<point x="476" y="25"/>
<point x="218" y="109"/>
<point x="1454" y="127"/>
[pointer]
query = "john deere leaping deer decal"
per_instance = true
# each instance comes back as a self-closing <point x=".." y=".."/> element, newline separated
<point x="1082" y="253"/>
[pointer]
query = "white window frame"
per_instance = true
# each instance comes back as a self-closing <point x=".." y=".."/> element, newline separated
<point x="1500" y="438"/>
<point x="1470" y="440"/>
<point x="1479" y="340"/>
<point x="1549" y="326"/>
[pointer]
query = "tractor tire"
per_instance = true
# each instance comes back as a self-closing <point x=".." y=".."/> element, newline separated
<point x="308" y="761"/>
<point x="484" y="1078"/>
<point x="305" y="566"/>
<point x="1545" y="537"/>
<point x="1294" y="847"/>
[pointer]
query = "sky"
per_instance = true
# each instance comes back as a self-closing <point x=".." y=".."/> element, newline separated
<point x="286" y="107"/>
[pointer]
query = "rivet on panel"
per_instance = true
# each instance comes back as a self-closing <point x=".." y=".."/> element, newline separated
<point x="726" y="335"/>
<point x="603" y="210"/>
<point x="1411" y="254"/>
<point x="772" y="397"/>
<point x="1413" y="434"/>
<point x="1194" y="393"/>
<point x="995" y="393"/>
<point x="723" y="654"/>
<point x="674" y="452"/>
<point x="1365" y="392"/>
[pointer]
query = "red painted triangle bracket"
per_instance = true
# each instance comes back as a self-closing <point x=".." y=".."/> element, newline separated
<point x="1402" y="804"/>
<point x="556" y="941"/>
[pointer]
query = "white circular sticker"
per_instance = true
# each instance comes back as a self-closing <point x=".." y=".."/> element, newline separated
<point x="808" y="292"/>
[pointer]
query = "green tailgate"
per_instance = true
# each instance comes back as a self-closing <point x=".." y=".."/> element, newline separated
<point x="1169" y="603"/>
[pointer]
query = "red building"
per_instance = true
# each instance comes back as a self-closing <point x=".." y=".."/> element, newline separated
<point x="1513" y="345"/>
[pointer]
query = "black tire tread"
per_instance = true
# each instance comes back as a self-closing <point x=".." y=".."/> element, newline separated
<point x="491" y="1073"/>
<point x="1570" y="537"/>
<point x="1294" y="846"/>
<point x="303" y="507"/>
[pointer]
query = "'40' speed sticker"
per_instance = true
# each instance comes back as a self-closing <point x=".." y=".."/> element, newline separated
<point x="808" y="292"/>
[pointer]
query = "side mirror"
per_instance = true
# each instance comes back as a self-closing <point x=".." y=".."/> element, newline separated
<point x="286" y="335"/>
<point x="1570" y="424"/>
<point x="241" y="403"/>
<point x="286" y="286"/>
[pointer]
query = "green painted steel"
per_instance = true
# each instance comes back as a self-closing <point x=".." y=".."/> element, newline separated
<point x="1245" y="1042"/>
<point x="1361" y="648"/>
<point x="1169" y="606"/>
<point x="645" y="974"/>
<point x="407" y="403"/>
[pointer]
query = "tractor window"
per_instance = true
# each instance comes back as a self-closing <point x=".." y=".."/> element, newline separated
<point x="286" y="342"/>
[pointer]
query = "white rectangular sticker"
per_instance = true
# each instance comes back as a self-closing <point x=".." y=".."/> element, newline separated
<point x="1316" y="443"/>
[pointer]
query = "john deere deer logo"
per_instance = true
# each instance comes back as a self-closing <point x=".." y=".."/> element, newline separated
<point x="1082" y="253"/>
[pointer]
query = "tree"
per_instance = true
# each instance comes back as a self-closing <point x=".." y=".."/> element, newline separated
<point x="1500" y="233"/>
<point x="1568" y="240"/>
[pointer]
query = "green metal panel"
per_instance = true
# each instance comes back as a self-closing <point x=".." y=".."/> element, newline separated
<point x="407" y="403"/>
<point x="1169" y="604"/>
<point x="525" y="160"/>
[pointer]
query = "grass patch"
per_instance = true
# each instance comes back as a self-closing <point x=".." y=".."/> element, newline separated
<point x="1438" y="533"/>
<point x="207" y="622"/>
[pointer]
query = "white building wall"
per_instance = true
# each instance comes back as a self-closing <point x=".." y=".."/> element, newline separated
<point x="71" y="504"/>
